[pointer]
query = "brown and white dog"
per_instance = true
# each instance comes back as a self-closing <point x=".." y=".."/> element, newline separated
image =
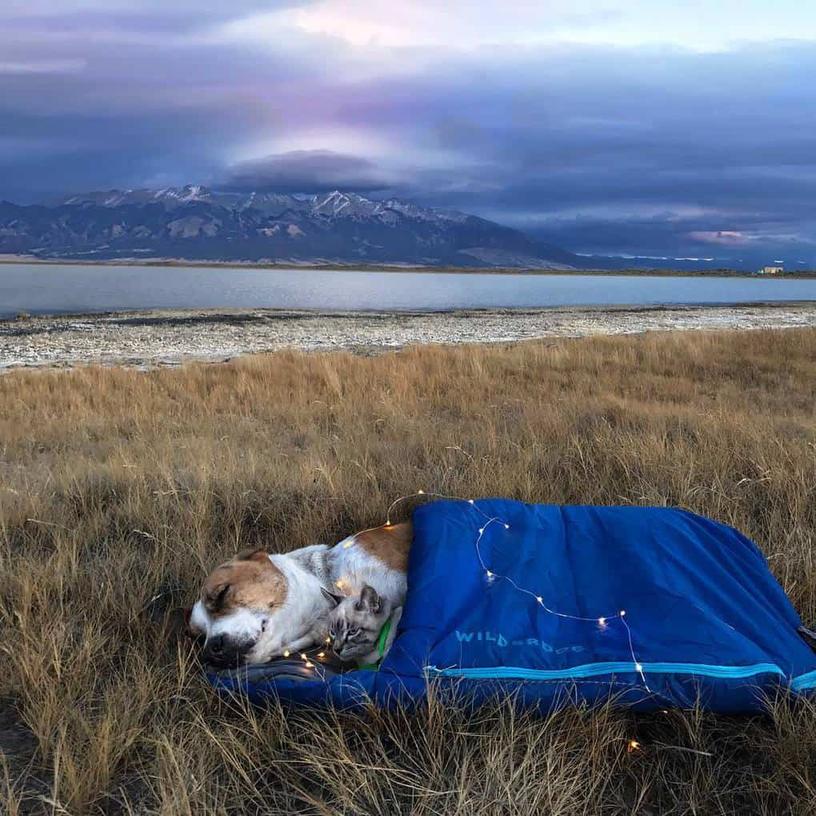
<point x="258" y="606"/>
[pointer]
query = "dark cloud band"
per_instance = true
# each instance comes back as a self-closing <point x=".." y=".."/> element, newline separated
<point x="306" y="171"/>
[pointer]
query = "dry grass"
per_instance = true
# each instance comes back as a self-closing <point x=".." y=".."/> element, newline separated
<point x="119" y="489"/>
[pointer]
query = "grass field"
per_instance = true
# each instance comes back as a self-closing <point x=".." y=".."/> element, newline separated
<point x="119" y="489"/>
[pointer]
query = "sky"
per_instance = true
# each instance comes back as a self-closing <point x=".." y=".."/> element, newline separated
<point x="622" y="127"/>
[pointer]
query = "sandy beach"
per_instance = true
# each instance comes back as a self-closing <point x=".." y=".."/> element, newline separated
<point x="166" y="338"/>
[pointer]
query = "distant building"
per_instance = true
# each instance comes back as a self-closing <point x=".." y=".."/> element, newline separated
<point x="772" y="270"/>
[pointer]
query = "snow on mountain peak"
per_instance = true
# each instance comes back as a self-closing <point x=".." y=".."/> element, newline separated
<point x="189" y="192"/>
<point x="330" y="205"/>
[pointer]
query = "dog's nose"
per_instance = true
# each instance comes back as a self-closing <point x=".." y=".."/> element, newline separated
<point x="215" y="649"/>
<point x="222" y="651"/>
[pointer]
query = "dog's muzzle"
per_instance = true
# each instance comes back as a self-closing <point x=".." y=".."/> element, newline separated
<point x="221" y="652"/>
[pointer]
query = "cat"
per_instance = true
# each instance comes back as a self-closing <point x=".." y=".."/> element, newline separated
<point x="355" y="625"/>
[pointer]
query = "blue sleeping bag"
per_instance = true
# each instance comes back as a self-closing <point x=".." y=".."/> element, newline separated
<point x="653" y="607"/>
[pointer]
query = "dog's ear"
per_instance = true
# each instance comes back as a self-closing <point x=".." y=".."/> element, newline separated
<point x="369" y="601"/>
<point x="215" y="598"/>
<point x="253" y="554"/>
<point x="336" y="600"/>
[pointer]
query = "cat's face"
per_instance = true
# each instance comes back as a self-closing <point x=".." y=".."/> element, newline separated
<point x="355" y="624"/>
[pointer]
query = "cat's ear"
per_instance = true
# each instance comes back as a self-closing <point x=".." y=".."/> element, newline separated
<point x="369" y="601"/>
<point x="336" y="600"/>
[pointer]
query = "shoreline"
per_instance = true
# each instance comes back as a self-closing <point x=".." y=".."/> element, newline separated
<point x="660" y="272"/>
<point x="232" y="313"/>
<point x="160" y="338"/>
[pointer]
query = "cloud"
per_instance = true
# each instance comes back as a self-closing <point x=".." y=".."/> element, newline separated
<point x="465" y="24"/>
<point x="722" y="237"/>
<point x="307" y="171"/>
<point x="584" y="128"/>
<point x="67" y="66"/>
<point x="196" y="12"/>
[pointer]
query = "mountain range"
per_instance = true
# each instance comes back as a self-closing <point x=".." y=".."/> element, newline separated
<point x="197" y="223"/>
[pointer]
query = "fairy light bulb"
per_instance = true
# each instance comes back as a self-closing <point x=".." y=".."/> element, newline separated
<point x="632" y="746"/>
<point x="639" y="668"/>
<point x="286" y="653"/>
<point x="321" y="655"/>
<point x="420" y="492"/>
<point x="506" y="526"/>
<point x="540" y="599"/>
<point x="601" y="621"/>
<point x="622" y="613"/>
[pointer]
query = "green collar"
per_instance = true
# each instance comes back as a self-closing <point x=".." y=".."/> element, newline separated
<point x="382" y="639"/>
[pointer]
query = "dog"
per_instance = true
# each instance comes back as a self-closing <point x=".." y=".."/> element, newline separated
<point x="258" y="606"/>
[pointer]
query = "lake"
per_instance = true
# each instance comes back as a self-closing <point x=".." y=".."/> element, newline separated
<point x="71" y="288"/>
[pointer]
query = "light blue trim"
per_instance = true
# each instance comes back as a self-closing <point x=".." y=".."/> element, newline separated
<point x="804" y="682"/>
<point x="595" y="669"/>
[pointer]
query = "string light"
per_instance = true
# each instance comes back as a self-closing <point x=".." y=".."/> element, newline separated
<point x="286" y="653"/>
<point x="602" y="621"/>
<point x="632" y="746"/>
<point x="309" y="665"/>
